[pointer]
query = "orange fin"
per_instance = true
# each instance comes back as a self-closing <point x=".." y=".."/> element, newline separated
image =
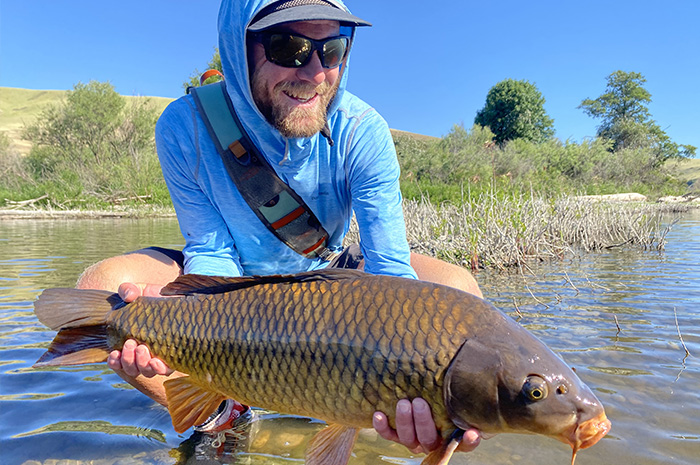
<point x="76" y="346"/>
<point x="332" y="445"/>
<point x="61" y="308"/>
<point x="189" y="284"/>
<point x="443" y="454"/>
<point x="189" y="403"/>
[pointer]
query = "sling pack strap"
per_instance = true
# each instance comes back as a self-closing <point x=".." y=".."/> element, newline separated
<point x="280" y="209"/>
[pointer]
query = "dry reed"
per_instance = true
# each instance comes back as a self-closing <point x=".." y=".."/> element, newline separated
<point x="500" y="232"/>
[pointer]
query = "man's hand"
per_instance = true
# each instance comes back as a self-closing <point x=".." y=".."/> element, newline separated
<point x="135" y="359"/>
<point x="416" y="429"/>
<point x="130" y="291"/>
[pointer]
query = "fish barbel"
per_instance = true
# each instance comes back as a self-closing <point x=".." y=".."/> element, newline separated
<point x="336" y="345"/>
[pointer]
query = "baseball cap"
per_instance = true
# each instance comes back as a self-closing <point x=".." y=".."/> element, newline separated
<point x="285" y="11"/>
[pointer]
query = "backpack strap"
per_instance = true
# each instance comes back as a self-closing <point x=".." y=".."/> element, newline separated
<point x="280" y="209"/>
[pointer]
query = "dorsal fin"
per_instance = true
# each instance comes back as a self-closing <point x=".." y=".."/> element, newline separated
<point x="189" y="284"/>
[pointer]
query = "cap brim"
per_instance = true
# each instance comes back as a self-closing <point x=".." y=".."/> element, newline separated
<point x="307" y="13"/>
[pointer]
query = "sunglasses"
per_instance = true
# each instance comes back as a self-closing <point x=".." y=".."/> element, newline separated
<point x="294" y="51"/>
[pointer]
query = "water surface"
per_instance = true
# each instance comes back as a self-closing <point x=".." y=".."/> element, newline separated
<point x="623" y="318"/>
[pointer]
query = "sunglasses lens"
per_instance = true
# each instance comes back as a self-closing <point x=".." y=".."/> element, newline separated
<point x="288" y="50"/>
<point x="293" y="51"/>
<point x="334" y="52"/>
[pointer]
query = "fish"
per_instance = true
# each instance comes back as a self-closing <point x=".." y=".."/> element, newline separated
<point x="335" y="345"/>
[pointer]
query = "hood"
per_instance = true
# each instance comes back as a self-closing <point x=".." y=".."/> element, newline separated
<point x="234" y="18"/>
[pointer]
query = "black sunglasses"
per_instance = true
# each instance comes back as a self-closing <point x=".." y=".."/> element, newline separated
<point x="294" y="51"/>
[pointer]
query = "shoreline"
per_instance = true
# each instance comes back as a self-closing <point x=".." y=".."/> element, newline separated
<point x="691" y="201"/>
<point x="7" y="214"/>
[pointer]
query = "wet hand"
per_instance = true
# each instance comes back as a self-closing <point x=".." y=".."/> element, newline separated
<point x="130" y="291"/>
<point x="416" y="429"/>
<point x="135" y="359"/>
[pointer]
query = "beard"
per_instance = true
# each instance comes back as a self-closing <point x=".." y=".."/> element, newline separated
<point x="291" y="121"/>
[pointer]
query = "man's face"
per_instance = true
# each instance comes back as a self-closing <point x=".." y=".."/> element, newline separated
<point x="295" y="100"/>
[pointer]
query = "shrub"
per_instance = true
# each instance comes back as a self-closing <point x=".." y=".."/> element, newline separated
<point x="95" y="144"/>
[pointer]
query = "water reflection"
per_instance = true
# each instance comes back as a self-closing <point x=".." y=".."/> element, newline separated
<point x="96" y="427"/>
<point x="614" y="316"/>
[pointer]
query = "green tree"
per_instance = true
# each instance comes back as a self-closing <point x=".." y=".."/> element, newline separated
<point x="515" y="110"/>
<point x="214" y="63"/>
<point x="96" y="142"/>
<point x="626" y="120"/>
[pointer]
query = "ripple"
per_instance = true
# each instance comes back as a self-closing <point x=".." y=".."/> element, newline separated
<point x="29" y="396"/>
<point x="96" y="427"/>
<point x="620" y="371"/>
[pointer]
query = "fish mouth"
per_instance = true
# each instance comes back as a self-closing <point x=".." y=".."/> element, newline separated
<point x="586" y="434"/>
<point x="591" y="431"/>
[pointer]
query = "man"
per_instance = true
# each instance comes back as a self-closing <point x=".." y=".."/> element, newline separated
<point x="286" y="67"/>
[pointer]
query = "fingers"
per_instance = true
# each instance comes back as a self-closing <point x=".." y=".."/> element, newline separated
<point x="415" y="427"/>
<point x="404" y="424"/>
<point x="470" y="440"/>
<point x="426" y="432"/>
<point x="136" y="359"/>
<point x="381" y="424"/>
<point x="114" y="360"/>
<point x="143" y="359"/>
<point x="130" y="291"/>
<point x="128" y="358"/>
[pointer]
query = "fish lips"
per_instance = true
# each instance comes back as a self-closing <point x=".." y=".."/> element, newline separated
<point x="587" y="433"/>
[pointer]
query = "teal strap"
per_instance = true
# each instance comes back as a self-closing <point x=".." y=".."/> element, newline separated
<point x="218" y="114"/>
<point x="276" y="204"/>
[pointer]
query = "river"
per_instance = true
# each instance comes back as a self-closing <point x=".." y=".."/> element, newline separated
<point x="624" y="318"/>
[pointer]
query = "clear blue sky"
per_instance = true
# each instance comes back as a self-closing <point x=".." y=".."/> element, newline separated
<point x="424" y="65"/>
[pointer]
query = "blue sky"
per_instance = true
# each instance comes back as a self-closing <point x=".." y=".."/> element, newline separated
<point x="424" y="68"/>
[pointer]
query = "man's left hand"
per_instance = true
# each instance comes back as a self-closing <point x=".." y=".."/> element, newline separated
<point x="416" y="429"/>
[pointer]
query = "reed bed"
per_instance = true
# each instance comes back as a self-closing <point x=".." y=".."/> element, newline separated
<point x="492" y="231"/>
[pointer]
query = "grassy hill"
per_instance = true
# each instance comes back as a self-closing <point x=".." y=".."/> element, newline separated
<point x="20" y="107"/>
<point x="689" y="171"/>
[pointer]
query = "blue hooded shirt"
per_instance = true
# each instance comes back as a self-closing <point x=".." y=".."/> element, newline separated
<point x="359" y="173"/>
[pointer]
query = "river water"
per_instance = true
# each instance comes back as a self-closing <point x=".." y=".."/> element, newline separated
<point x="623" y="318"/>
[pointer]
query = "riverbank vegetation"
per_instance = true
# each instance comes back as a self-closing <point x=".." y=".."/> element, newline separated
<point x="472" y="197"/>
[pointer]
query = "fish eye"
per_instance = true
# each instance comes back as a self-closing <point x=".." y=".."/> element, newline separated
<point x="535" y="388"/>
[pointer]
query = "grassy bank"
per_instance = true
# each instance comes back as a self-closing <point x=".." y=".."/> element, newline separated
<point x="467" y="200"/>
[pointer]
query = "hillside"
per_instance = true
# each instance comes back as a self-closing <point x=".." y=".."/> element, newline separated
<point x="689" y="171"/>
<point x="20" y="107"/>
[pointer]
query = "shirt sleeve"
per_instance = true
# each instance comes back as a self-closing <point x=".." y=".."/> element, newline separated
<point x="209" y="248"/>
<point x="376" y="199"/>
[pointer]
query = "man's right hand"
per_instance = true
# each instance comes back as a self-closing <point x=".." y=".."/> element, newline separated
<point x="135" y="359"/>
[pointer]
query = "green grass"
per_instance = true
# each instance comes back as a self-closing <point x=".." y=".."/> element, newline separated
<point x="688" y="171"/>
<point x="463" y="164"/>
<point x="21" y="107"/>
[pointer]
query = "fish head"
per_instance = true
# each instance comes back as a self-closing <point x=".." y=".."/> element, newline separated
<point x="517" y="385"/>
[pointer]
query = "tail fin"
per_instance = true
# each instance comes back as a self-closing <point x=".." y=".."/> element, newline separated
<point x="62" y="308"/>
<point x="79" y="315"/>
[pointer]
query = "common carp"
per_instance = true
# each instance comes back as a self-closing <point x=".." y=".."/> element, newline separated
<point x="336" y="345"/>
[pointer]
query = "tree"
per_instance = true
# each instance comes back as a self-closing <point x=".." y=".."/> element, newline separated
<point x="515" y="110"/>
<point x="83" y="123"/>
<point x="214" y="63"/>
<point x="626" y="120"/>
<point x="93" y="136"/>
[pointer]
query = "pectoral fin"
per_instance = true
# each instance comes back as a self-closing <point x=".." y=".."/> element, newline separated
<point x="331" y="446"/>
<point x="189" y="404"/>
<point x="442" y="455"/>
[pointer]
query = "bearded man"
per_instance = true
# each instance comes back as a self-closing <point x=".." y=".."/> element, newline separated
<point x="286" y="68"/>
